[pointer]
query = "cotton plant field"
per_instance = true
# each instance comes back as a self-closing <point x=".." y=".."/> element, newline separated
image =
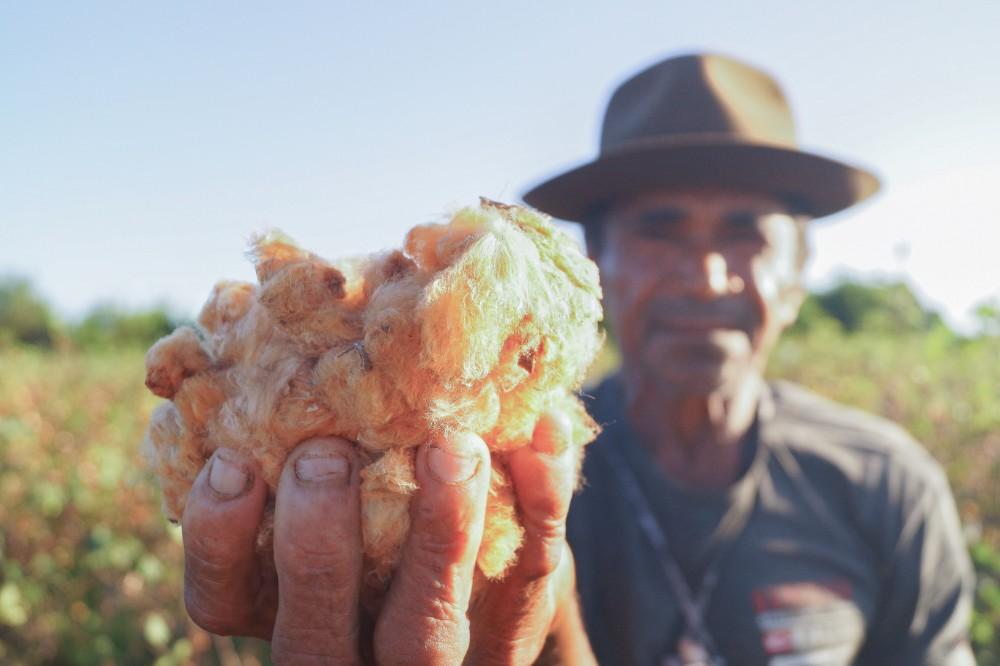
<point x="91" y="572"/>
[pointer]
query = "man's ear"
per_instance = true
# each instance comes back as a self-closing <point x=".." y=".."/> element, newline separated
<point x="790" y="304"/>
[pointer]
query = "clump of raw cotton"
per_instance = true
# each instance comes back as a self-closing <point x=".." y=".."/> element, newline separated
<point x="478" y="324"/>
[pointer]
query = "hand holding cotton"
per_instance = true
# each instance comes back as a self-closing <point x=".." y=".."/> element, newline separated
<point x="480" y="324"/>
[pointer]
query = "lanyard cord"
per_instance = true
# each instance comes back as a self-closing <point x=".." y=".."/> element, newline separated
<point x="692" y="607"/>
<point x="651" y="529"/>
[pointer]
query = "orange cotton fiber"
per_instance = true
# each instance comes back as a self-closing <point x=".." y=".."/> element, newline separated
<point x="480" y="324"/>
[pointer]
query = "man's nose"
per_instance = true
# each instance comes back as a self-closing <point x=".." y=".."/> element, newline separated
<point x="706" y="275"/>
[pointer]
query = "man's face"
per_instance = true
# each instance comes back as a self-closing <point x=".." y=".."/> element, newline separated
<point x="699" y="284"/>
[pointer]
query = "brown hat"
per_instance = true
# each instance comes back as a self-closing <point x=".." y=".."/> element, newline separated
<point x="702" y="120"/>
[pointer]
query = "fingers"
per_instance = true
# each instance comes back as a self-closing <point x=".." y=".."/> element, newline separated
<point x="318" y="555"/>
<point x="221" y="518"/>
<point x="544" y="475"/>
<point x="424" y="616"/>
<point x="524" y="609"/>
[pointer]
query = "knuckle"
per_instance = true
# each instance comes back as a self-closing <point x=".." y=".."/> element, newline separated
<point x="499" y="649"/>
<point x="212" y="619"/>
<point x="285" y="652"/>
<point x="292" y="644"/>
<point x="549" y="507"/>
<point x="436" y="637"/>
<point x="302" y="565"/>
<point x="547" y="528"/>
<point x="442" y="609"/>
<point x="207" y="549"/>
<point x="435" y="549"/>
<point x="321" y="609"/>
<point x="205" y="569"/>
<point x="543" y="558"/>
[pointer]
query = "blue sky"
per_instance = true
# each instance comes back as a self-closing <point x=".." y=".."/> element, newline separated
<point x="141" y="144"/>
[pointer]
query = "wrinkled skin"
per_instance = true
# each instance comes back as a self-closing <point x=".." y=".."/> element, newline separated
<point x="698" y="285"/>
<point x="311" y="612"/>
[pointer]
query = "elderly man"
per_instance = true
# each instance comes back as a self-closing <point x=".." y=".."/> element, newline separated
<point x="726" y="519"/>
<point x="723" y="518"/>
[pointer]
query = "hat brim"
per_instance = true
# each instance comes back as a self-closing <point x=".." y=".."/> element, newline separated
<point x="817" y="185"/>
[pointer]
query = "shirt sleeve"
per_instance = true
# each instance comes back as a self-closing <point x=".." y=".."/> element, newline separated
<point x="925" y="603"/>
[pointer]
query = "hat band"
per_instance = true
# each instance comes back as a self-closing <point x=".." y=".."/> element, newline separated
<point x="694" y="138"/>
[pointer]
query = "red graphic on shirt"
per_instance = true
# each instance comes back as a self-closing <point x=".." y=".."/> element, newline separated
<point x="778" y="641"/>
<point x="804" y="594"/>
<point x="804" y="615"/>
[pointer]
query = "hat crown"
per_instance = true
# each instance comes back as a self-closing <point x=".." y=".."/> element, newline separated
<point x="702" y="120"/>
<point x="696" y="95"/>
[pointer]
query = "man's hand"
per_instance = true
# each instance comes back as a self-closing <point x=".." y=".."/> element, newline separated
<point x="310" y="611"/>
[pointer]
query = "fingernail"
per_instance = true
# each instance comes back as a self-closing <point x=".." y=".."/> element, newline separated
<point x="451" y="466"/>
<point x="556" y="433"/>
<point x="228" y="478"/>
<point x="323" y="468"/>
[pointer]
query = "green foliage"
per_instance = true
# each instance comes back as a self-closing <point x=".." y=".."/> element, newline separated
<point x="944" y="390"/>
<point x="109" y="327"/>
<point x="90" y="571"/>
<point x="889" y="307"/>
<point x="24" y="317"/>
<point x="986" y="620"/>
<point x="988" y="314"/>
<point x="813" y="317"/>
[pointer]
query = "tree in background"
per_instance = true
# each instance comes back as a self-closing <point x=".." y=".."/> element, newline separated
<point x="988" y="314"/>
<point x="110" y="327"/>
<point x="25" y="318"/>
<point x="884" y="307"/>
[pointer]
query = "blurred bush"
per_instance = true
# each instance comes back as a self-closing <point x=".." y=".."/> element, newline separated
<point x="888" y="307"/>
<point x="24" y="317"/>
<point x="90" y="571"/>
<point x="109" y="327"/>
<point x="871" y="346"/>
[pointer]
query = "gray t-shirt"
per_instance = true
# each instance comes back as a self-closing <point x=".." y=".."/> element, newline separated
<point x="852" y="550"/>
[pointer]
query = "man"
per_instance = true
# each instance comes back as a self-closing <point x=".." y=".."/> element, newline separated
<point x="722" y="517"/>
<point x="727" y="520"/>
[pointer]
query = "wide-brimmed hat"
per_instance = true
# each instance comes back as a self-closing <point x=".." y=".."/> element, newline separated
<point x="696" y="121"/>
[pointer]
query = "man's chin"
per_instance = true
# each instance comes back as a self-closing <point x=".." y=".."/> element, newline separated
<point x="692" y="365"/>
<point x="691" y="378"/>
<point x="691" y="384"/>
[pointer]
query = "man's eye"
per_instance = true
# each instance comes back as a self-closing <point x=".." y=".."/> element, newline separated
<point x="659" y="225"/>
<point x="743" y="224"/>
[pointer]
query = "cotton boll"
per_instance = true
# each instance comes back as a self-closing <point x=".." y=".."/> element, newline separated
<point x="272" y="252"/>
<point x="386" y="487"/>
<point x="174" y="454"/>
<point x="295" y="292"/>
<point x="227" y="304"/>
<point x="299" y="413"/>
<point x="198" y="399"/>
<point x="174" y="358"/>
<point x="502" y="532"/>
<point x="435" y="246"/>
<point x="480" y="324"/>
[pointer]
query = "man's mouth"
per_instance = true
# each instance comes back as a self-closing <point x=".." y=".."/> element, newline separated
<point x="696" y="326"/>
